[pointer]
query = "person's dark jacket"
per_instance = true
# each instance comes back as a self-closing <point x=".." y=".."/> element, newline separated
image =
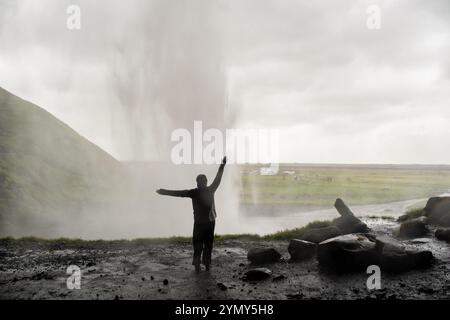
<point x="202" y="198"/>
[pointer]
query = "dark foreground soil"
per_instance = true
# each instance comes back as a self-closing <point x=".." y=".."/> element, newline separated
<point x="34" y="270"/>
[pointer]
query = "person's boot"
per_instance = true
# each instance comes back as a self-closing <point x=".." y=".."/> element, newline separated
<point x="207" y="267"/>
<point x="197" y="268"/>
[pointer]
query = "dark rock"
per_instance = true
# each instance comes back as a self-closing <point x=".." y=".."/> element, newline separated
<point x="385" y="241"/>
<point x="342" y="208"/>
<point x="318" y="235"/>
<point x="257" y="274"/>
<point x="222" y="286"/>
<point x="263" y="255"/>
<point x="413" y="228"/>
<point x="279" y="277"/>
<point x="301" y="249"/>
<point x="393" y="256"/>
<point x="165" y="282"/>
<point x="443" y="234"/>
<point x="438" y="210"/>
<point x="397" y="259"/>
<point x="351" y="252"/>
<point x="90" y="264"/>
<point x="350" y="225"/>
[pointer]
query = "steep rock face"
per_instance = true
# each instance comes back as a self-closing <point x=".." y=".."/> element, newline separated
<point x="48" y="172"/>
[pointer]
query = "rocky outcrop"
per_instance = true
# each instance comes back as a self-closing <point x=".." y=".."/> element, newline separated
<point x="413" y="228"/>
<point x="395" y="258"/>
<point x="318" y="235"/>
<point x="351" y="252"/>
<point x="437" y="210"/>
<point x="301" y="250"/>
<point x="263" y="255"/>
<point x="347" y="222"/>
<point x="355" y="252"/>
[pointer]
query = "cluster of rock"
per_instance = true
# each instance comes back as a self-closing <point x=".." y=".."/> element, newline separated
<point x="436" y="213"/>
<point x="355" y="252"/>
<point x="347" y="245"/>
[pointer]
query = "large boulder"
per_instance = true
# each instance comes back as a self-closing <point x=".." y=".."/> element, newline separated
<point x="347" y="222"/>
<point x="350" y="225"/>
<point x="438" y="211"/>
<point x="318" y="235"/>
<point x="355" y="252"/>
<point x="400" y="260"/>
<point x="413" y="228"/>
<point x="351" y="252"/>
<point x="301" y="250"/>
<point x="263" y="255"/>
<point x="394" y="257"/>
<point x="257" y="274"/>
<point x="443" y="234"/>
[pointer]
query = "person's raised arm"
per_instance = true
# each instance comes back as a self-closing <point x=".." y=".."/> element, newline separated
<point x="174" y="193"/>
<point x="219" y="174"/>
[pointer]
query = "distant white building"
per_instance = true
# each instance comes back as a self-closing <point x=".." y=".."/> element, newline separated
<point x="269" y="171"/>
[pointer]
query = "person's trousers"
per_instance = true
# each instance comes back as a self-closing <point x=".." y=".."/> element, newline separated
<point x="202" y="239"/>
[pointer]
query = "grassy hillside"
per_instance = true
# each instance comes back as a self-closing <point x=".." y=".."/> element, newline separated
<point x="47" y="170"/>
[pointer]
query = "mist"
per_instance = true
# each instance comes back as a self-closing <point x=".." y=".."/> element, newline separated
<point x="164" y="71"/>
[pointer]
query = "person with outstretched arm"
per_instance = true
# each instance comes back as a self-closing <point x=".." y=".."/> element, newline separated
<point x="204" y="215"/>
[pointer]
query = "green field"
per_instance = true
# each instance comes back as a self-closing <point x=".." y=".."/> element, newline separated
<point x="320" y="185"/>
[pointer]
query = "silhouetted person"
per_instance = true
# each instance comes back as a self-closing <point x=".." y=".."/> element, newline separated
<point x="204" y="215"/>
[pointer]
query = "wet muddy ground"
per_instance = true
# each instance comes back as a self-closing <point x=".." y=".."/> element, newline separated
<point x="34" y="270"/>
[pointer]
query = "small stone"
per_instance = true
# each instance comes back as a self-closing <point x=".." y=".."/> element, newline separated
<point x="222" y="286"/>
<point x="257" y="274"/>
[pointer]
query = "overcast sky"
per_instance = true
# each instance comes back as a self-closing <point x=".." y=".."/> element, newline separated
<point x="337" y="91"/>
